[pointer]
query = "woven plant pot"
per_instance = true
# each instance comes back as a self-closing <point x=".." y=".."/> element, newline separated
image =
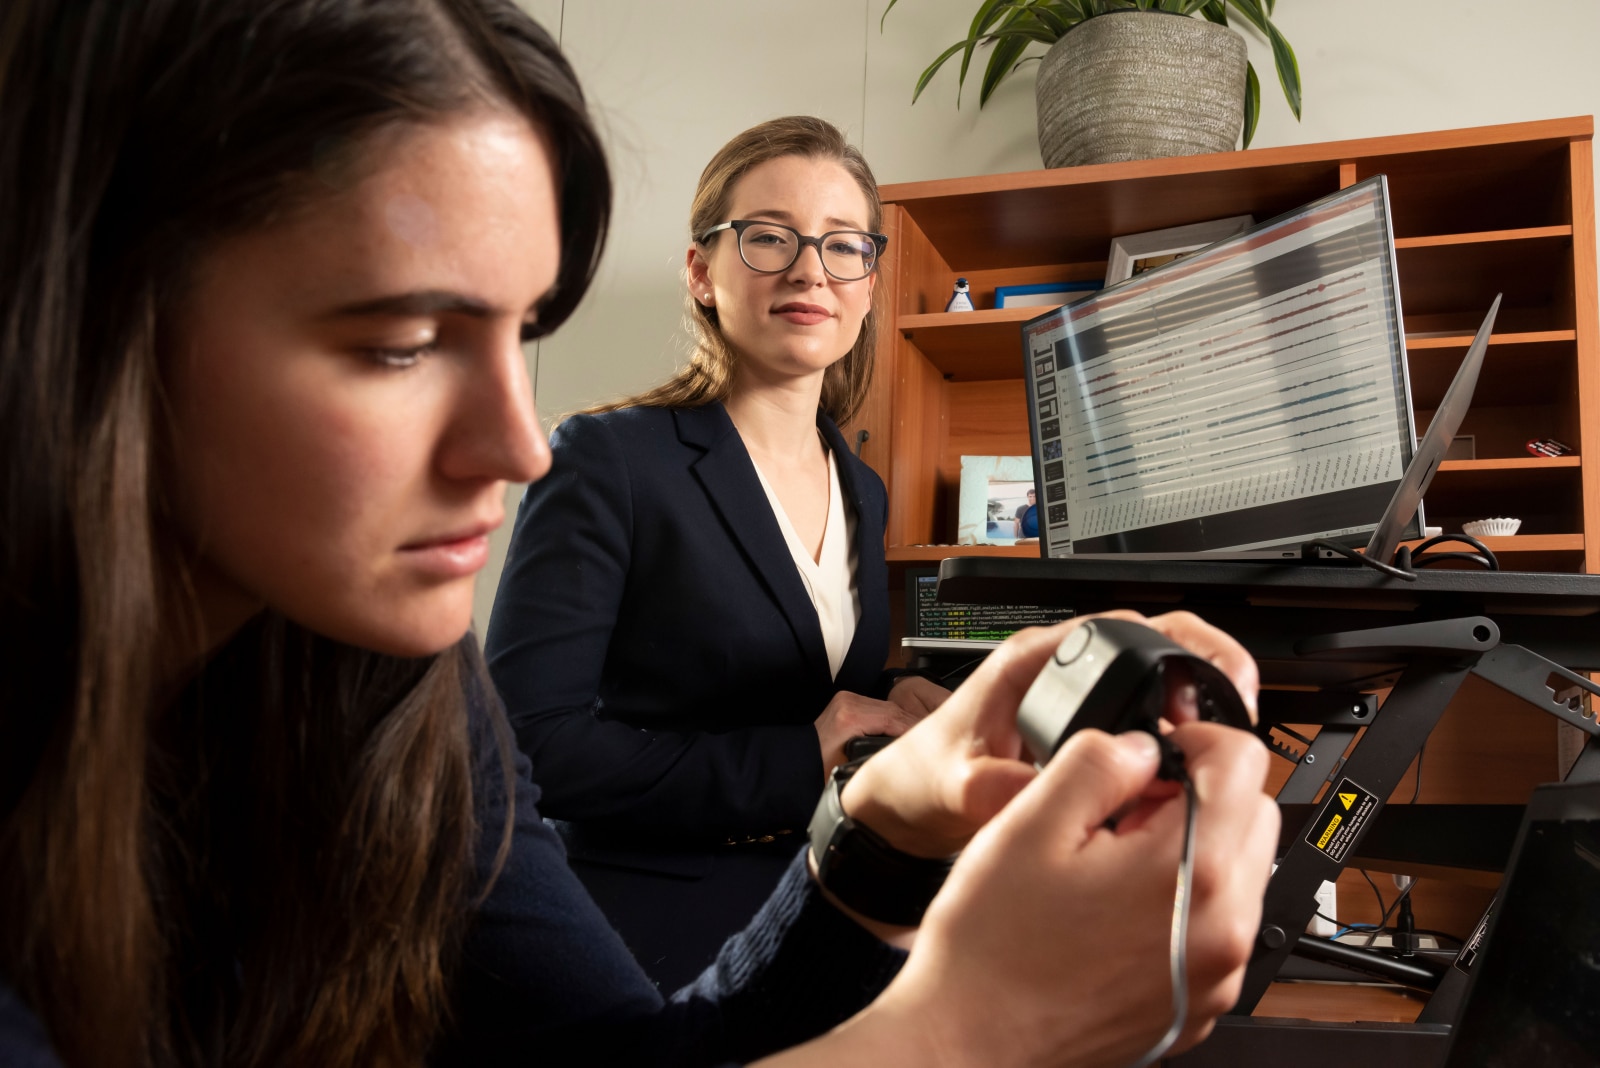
<point x="1138" y="85"/>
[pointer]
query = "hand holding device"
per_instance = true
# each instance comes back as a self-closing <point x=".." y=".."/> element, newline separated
<point x="1048" y="911"/>
<point x="1114" y="675"/>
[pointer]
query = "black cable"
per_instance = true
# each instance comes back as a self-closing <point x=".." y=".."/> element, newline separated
<point x="1383" y="912"/>
<point x="1383" y="923"/>
<point x="1362" y="558"/>
<point x="1339" y="925"/>
<point x="1180" y="933"/>
<point x="1420" y="557"/>
<point x="1416" y="790"/>
<point x="1407" y="559"/>
<point x="966" y="665"/>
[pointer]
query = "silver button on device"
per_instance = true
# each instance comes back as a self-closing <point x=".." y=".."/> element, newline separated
<point x="1073" y="645"/>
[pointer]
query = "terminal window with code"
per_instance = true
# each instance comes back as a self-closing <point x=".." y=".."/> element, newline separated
<point x="934" y="618"/>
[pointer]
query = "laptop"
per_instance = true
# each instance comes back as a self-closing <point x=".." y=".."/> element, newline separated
<point x="1533" y="994"/>
<point x="1241" y="401"/>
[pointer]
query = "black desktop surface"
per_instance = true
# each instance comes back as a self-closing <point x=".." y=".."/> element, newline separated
<point x="1271" y="607"/>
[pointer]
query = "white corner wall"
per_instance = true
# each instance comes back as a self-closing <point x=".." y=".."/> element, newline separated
<point x="670" y="82"/>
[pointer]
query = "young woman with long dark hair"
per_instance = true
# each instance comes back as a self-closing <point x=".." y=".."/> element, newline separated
<point x="265" y="271"/>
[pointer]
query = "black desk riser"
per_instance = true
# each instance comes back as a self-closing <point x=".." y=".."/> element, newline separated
<point x="1348" y="631"/>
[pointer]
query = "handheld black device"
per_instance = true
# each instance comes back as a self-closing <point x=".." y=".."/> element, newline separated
<point x="1110" y="674"/>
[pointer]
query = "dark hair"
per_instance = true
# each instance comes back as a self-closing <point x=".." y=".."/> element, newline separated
<point x="708" y="376"/>
<point x="132" y="137"/>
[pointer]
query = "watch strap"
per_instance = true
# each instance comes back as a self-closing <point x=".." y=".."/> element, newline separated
<point x="862" y="870"/>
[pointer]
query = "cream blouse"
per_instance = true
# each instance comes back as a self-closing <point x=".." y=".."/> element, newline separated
<point x="831" y="578"/>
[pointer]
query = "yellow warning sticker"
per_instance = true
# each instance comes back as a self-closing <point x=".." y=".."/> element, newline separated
<point x="1341" y="820"/>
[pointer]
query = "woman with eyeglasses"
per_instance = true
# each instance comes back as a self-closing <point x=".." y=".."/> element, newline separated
<point x="265" y="274"/>
<point x="730" y="637"/>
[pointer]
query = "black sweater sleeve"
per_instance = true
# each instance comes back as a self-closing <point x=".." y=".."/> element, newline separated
<point x="545" y="979"/>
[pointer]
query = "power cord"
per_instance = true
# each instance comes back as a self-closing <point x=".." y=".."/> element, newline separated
<point x="1383" y="923"/>
<point x="1420" y="557"/>
<point x="1383" y="910"/>
<point x="1172" y="767"/>
<point x="1407" y="560"/>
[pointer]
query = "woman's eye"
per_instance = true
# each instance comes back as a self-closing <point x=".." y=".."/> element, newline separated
<point x="768" y="239"/>
<point x="401" y="357"/>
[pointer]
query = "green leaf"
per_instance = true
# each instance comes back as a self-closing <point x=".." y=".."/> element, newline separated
<point x="1052" y="20"/>
<point x="1252" y="103"/>
<point x="988" y="12"/>
<point x="1288" y="70"/>
<point x="1282" y="55"/>
<point x="933" y="68"/>
<point x="886" y="14"/>
<point x="1216" y="11"/>
<point x="1006" y="53"/>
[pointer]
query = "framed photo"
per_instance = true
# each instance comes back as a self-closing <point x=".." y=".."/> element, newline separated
<point x="1042" y="295"/>
<point x="1136" y="253"/>
<point x="996" y="493"/>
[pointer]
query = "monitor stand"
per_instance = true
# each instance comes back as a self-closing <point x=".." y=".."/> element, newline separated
<point x="1439" y="655"/>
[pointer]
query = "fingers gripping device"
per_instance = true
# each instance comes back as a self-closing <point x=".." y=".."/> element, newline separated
<point x="1111" y="675"/>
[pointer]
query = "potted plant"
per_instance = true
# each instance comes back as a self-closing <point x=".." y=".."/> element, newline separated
<point x="1127" y="79"/>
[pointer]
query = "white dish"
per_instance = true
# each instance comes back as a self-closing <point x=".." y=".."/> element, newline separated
<point x="1498" y="527"/>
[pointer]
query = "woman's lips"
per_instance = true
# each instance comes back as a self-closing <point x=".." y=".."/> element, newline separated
<point x="455" y="556"/>
<point x="803" y="314"/>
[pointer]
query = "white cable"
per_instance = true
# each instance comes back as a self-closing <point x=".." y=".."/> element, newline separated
<point x="1180" y="932"/>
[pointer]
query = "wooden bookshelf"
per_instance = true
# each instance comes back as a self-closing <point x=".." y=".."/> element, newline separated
<point x="1475" y="212"/>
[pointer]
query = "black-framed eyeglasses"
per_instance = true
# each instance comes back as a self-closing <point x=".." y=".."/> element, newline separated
<point x="769" y="247"/>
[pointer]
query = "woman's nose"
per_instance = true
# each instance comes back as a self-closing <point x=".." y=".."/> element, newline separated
<point x="497" y="435"/>
<point x="807" y="267"/>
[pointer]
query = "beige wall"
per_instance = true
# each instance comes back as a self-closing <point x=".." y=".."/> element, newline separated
<point x="671" y="81"/>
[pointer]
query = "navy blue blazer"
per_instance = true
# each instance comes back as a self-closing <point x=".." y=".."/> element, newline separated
<point x="660" y="660"/>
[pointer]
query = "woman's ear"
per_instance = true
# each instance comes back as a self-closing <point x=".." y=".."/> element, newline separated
<point x="698" y="270"/>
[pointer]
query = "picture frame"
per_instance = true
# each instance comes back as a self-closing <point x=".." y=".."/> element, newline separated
<point x="1132" y="254"/>
<point x="1042" y="294"/>
<point x="993" y="490"/>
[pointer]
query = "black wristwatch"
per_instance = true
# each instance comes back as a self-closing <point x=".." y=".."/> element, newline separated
<point x="864" y="871"/>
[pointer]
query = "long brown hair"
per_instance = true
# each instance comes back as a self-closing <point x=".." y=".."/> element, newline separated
<point x="708" y="376"/>
<point x="271" y="866"/>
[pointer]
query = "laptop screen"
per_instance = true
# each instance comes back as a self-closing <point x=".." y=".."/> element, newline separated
<point x="1249" y="395"/>
<point x="1535" y="993"/>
